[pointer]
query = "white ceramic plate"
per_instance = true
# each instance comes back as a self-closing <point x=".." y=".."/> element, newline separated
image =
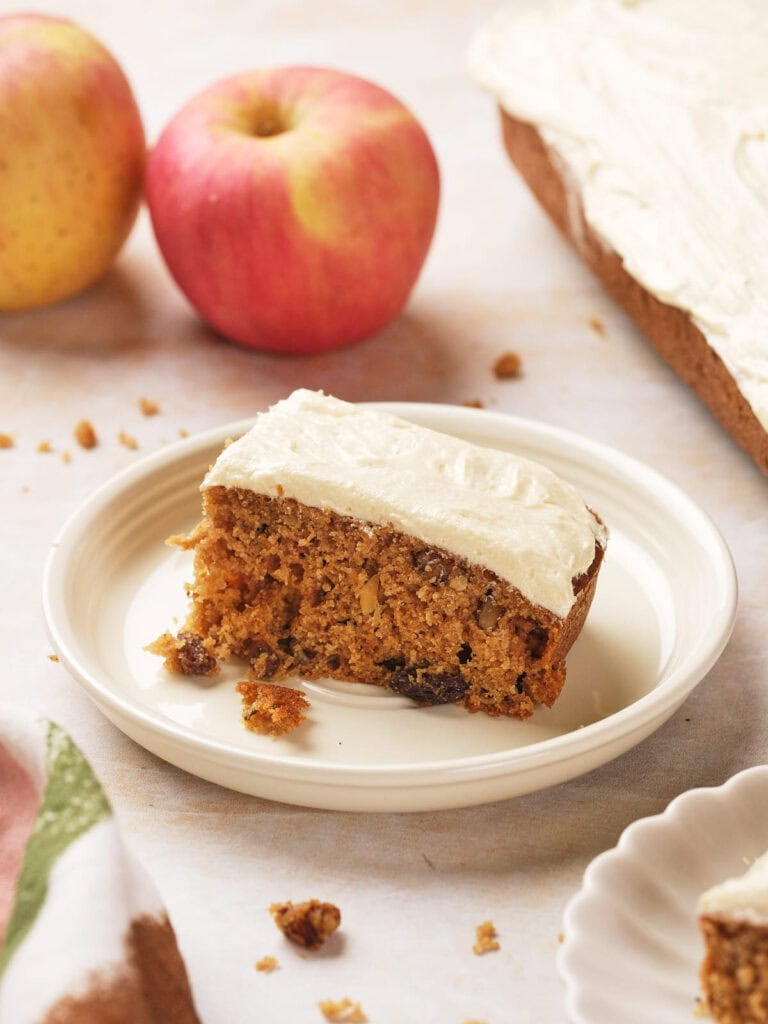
<point x="662" y="615"/>
<point x="632" y="947"/>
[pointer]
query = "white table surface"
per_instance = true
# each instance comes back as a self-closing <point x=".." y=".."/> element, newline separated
<point x="411" y="887"/>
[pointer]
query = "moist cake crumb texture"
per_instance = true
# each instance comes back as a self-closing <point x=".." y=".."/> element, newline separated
<point x="270" y="709"/>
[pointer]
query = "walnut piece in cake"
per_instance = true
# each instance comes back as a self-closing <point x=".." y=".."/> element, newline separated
<point x="343" y="1011"/>
<point x="308" y="924"/>
<point x="486" y="939"/>
<point x="270" y="709"/>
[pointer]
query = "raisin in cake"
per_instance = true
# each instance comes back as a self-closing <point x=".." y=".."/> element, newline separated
<point x="734" y="922"/>
<point x="342" y="541"/>
<point x="642" y="129"/>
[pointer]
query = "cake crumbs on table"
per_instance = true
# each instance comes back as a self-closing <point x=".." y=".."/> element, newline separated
<point x="85" y="435"/>
<point x="597" y="325"/>
<point x="507" y="366"/>
<point x="148" y="407"/>
<point x="267" y="964"/>
<point x="127" y="441"/>
<point x="486" y="939"/>
<point x="342" y="1010"/>
<point x="308" y="924"/>
<point x="6" y="441"/>
<point x="45" y="447"/>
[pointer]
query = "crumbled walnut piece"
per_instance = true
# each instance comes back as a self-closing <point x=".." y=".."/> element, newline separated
<point x="308" y="924"/>
<point x="597" y="325"/>
<point x="267" y="964"/>
<point x="44" y="447"/>
<point x="127" y="441"/>
<point x="368" y="595"/>
<point x="271" y="710"/>
<point x="488" y="613"/>
<point x="85" y="435"/>
<point x="6" y="441"/>
<point x="342" y="1010"/>
<point x="148" y="407"/>
<point x="507" y="366"/>
<point x="486" y="940"/>
<point x="434" y="565"/>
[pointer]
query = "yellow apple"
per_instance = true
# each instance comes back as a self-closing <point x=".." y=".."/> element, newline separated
<point x="72" y="155"/>
<point x="294" y="206"/>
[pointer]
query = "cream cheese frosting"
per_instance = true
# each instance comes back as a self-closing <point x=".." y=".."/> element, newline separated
<point x="659" y="109"/>
<point x="509" y="514"/>
<point x="745" y="896"/>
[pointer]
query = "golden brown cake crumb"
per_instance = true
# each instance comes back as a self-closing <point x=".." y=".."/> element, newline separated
<point x="6" y="441"/>
<point x="184" y="654"/>
<point x="66" y="457"/>
<point x="734" y="971"/>
<point x="127" y="441"/>
<point x="148" y="407"/>
<point x="45" y="447"/>
<point x="486" y="940"/>
<point x="473" y="403"/>
<point x="183" y="433"/>
<point x="508" y="365"/>
<point x="85" y="435"/>
<point x="271" y="709"/>
<point x="308" y="924"/>
<point x="342" y="1010"/>
<point x="53" y="657"/>
<point x="597" y="325"/>
<point x="267" y="964"/>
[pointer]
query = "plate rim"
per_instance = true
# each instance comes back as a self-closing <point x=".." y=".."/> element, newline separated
<point x="571" y="927"/>
<point x="669" y="693"/>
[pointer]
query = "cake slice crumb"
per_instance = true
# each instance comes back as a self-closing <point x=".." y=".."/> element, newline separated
<point x="184" y="654"/>
<point x="507" y="366"/>
<point x="597" y="325"/>
<point x="308" y="924"/>
<point x="85" y="435"/>
<point x="486" y="939"/>
<point x="267" y="964"/>
<point x="127" y="441"/>
<point x="6" y="441"/>
<point x="148" y="407"/>
<point x="342" y="1010"/>
<point x="270" y="709"/>
<point x="45" y="447"/>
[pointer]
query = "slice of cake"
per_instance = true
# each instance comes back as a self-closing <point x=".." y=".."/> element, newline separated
<point x="641" y="129"/>
<point x="734" y="922"/>
<point x="342" y="541"/>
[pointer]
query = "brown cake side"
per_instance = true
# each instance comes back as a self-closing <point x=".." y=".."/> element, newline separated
<point x="677" y="339"/>
<point x="296" y="590"/>
<point x="734" y="972"/>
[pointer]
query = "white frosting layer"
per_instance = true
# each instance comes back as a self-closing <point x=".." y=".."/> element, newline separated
<point x="745" y="897"/>
<point x="660" y="110"/>
<point x="505" y="513"/>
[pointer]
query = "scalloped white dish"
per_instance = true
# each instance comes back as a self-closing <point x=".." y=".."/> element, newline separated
<point x="632" y="947"/>
<point x="111" y="586"/>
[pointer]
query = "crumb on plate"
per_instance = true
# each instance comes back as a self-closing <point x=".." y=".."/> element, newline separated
<point x="507" y="366"/>
<point x="270" y="709"/>
<point x="85" y="435"/>
<point x="148" y="407"/>
<point x="6" y="441"/>
<point x="267" y="964"/>
<point x="486" y="939"/>
<point x="308" y="924"/>
<point x="344" y="1010"/>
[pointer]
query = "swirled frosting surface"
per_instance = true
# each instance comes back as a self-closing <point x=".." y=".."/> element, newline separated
<point x="509" y="514"/>
<point x="659" y="108"/>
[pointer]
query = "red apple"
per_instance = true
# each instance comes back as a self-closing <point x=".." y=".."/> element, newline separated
<point x="71" y="160"/>
<point x="294" y="206"/>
